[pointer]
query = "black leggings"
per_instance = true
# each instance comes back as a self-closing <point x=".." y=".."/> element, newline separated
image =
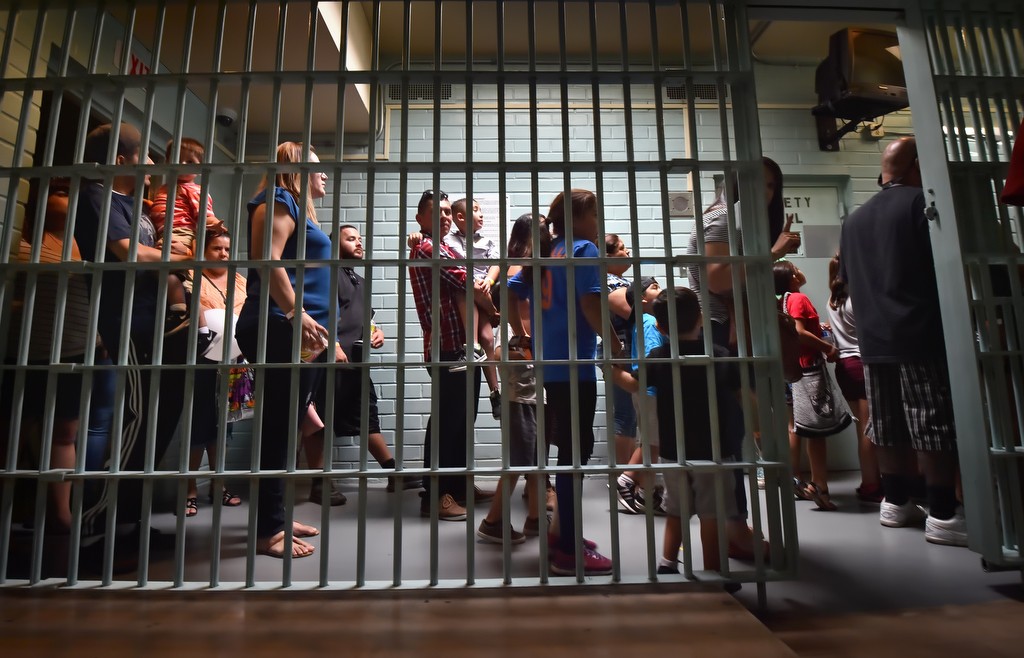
<point x="277" y="401"/>
<point x="558" y="415"/>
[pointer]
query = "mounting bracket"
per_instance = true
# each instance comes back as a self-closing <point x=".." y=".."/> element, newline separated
<point x="828" y="134"/>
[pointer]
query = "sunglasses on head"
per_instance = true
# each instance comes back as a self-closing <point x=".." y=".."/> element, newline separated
<point x="429" y="194"/>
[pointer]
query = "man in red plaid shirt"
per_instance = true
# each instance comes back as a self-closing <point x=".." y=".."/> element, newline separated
<point x="451" y="380"/>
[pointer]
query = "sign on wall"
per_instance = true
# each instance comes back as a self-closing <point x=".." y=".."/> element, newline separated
<point x="815" y="213"/>
<point x="490" y="206"/>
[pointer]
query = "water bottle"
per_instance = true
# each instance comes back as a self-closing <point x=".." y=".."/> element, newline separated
<point x="310" y="355"/>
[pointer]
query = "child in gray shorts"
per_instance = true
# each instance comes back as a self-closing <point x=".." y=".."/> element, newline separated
<point x="695" y="398"/>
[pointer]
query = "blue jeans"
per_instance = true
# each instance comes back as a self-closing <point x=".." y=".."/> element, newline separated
<point x="101" y="416"/>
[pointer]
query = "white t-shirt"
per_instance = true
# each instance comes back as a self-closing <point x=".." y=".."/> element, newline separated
<point x="844" y="328"/>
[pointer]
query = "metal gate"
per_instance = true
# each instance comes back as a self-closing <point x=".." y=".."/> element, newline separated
<point x="965" y="76"/>
<point x="505" y="100"/>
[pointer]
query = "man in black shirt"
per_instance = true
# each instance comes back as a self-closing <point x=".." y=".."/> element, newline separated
<point x="886" y="258"/>
<point x="138" y="319"/>
<point x="348" y="386"/>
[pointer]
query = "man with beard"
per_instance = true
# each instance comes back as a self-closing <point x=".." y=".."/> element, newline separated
<point x="348" y="382"/>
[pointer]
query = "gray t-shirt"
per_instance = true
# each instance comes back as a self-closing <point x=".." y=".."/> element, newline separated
<point x="483" y="247"/>
<point x="844" y="328"/>
<point x="716" y="229"/>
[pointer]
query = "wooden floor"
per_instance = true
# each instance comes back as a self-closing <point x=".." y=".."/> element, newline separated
<point x="992" y="630"/>
<point x="593" y="624"/>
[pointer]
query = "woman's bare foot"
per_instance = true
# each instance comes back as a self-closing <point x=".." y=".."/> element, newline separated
<point x="302" y="530"/>
<point x="274" y="546"/>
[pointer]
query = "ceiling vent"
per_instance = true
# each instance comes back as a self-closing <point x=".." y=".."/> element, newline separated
<point x="419" y="92"/>
<point x="702" y="92"/>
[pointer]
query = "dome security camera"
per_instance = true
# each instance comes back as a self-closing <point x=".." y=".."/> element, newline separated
<point x="226" y="117"/>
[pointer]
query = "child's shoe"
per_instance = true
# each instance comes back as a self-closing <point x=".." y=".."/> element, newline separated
<point x="176" y="319"/>
<point x="495" y="398"/>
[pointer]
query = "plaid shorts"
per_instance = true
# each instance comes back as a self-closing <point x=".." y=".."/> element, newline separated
<point x="910" y="403"/>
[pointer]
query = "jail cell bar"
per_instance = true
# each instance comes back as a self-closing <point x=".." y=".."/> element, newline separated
<point x="966" y="66"/>
<point x="277" y="81"/>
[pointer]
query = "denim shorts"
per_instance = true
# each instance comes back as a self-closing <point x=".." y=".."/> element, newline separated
<point x="625" y="413"/>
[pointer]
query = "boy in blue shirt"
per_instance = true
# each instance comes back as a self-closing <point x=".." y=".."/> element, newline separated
<point x="631" y="489"/>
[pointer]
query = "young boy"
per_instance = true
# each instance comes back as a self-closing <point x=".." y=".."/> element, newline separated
<point x="477" y="318"/>
<point x="632" y="488"/>
<point x="185" y="216"/>
<point x="696" y="425"/>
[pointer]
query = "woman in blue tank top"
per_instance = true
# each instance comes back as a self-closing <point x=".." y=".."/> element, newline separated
<point x="313" y="305"/>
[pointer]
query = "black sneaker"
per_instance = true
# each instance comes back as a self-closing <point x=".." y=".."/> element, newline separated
<point x="496" y="404"/>
<point x="626" y="493"/>
<point x="459" y="365"/>
<point x="408" y="482"/>
<point x="667" y="571"/>
<point x="176" y="319"/>
<point x="659" y="501"/>
<point x="639" y="500"/>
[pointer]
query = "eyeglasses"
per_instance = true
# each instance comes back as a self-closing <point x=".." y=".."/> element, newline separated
<point x="429" y="194"/>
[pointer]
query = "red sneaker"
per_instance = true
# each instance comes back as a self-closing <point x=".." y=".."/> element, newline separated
<point x="588" y="544"/>
<point x="745" y="553"/>
<point x="594" y="564"/>
<point x="870" y="494"/>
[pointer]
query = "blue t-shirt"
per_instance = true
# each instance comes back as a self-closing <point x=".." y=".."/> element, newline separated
<point x="316" y="285"/>
<point x="653" y="339"/>
<point x="555" y="310"/>
<point x="119" y="227"/>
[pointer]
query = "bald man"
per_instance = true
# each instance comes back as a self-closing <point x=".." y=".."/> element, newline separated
<point x="886" y="258"/>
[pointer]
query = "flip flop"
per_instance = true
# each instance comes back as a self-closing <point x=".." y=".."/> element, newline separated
<point x="191" y="506"/>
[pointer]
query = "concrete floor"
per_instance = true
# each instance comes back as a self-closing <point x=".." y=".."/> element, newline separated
<point x="848" y="562"/>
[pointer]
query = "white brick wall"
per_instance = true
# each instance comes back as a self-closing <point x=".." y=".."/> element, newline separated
<point x="787" y="132"/>
<point x="788" y="135"/>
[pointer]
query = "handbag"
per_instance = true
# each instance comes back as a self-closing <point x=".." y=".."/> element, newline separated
<point x="1013" y="190"/>
<point x="241" y="400"/>
<point x="818" y="408"/>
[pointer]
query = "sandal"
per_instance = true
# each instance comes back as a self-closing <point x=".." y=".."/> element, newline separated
<point x="800" y="489"/>
<point x="191" y="506"/>
<point x="820" y="497"/>
<point x="230" y="499"/>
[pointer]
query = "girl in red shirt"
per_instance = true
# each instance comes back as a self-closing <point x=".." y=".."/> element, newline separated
<point x="788" y="281"/>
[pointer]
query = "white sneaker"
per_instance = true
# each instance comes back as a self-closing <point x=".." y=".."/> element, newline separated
<point x="951" y="532"/>
<point x="899" y="516"/>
